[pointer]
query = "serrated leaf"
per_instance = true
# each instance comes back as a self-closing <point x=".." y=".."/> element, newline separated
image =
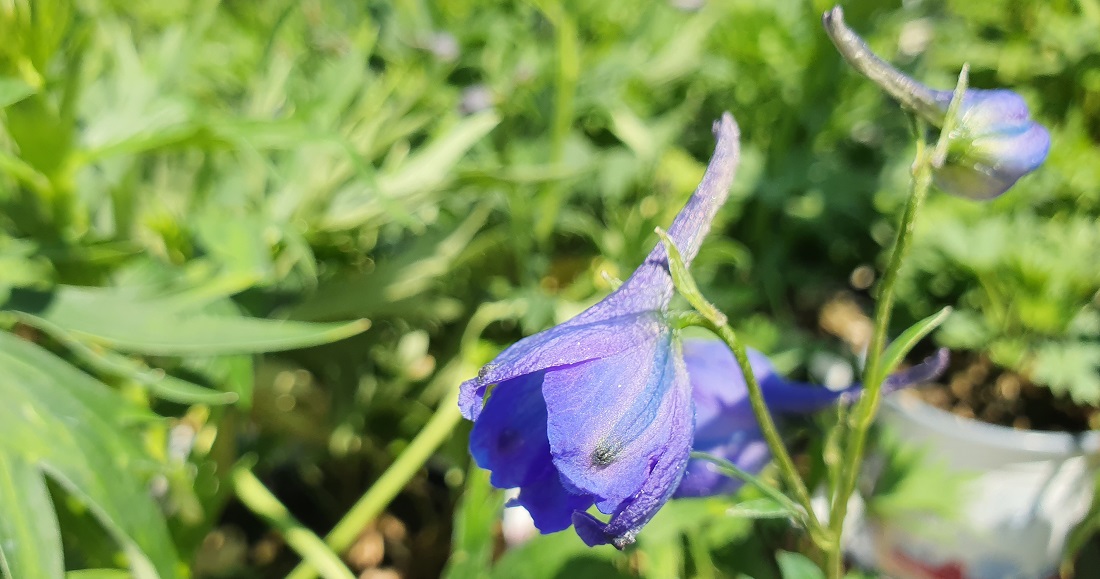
<point x="158" y="326"/>
<point x="1071" y="368"/>
<point x="67" y="426"/>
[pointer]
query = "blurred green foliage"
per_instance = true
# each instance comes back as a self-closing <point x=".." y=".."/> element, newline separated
<point x="186" y="187"/>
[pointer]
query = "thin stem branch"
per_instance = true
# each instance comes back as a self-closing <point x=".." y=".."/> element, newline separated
<point x="771" y="434"/>
<point x="259" y="500"/>
<point x="864" y="413"/>
<point x="379" y="495"/>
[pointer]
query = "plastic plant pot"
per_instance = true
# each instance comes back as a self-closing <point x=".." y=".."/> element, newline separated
<point x="1024" y="491"/>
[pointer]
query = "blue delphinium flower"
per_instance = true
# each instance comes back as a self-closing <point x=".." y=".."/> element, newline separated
<point x="725" y="426"/>
<point x="997" y="143"/>
<point x="598" y="410"/>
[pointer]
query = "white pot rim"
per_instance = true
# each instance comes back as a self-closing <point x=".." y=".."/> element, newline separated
<point x="1049" y="444"/>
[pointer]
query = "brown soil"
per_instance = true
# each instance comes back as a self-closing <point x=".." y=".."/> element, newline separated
<point x="974" y="388"/>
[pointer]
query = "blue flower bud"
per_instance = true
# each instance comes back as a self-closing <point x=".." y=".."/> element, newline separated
<point x="995" y="143"/>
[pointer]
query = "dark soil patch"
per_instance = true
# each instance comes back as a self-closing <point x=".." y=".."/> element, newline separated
<point x="975" y="388"/>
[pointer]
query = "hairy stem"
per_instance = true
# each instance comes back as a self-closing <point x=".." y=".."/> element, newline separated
<point x="864" y="413"/>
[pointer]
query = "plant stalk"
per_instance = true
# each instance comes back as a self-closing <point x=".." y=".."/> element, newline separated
<point x="379" y="495"/>
<point x="866" y="409"/>
<point x="259" y="500"/>
<point x="818" y="532"/>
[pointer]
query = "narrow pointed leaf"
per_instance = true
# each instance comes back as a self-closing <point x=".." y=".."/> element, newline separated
<point x="151" y="326"/>
<point x="900" y="347"/>
<point x="30" y="541"/>
<point x="685" y="283"/>
<point x="426" y="170"/>
<point x="81" y="434"/>
<point x="13" y="90"/>
<point x="762" y="508"/>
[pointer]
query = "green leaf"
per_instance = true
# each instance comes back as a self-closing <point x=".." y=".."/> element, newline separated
<point x="559" y="555"/>
<point x="426" y="170"/>
<point x="475" y="520"/>
<point x="160" y="326"/>
<point x="1070" y="367"/>
<point x="773" y="494"/>
<point x="797" y="566"/>
<point x="98" y="574"/>
<point x="763" y="508"/>
<point x="394" y="283"/>
<point x="13" y="90"/>
<point x="60" y="423"/>
<point x="159" y="384"/>
<point x="30" y="541"/>
<point x="900" y="347"/>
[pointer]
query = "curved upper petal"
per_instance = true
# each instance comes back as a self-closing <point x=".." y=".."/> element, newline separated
<point x="632" y="312"/>
<point x="610" y="421"/>
<point x="746" y="449"/>
<point x="578" y="340"/>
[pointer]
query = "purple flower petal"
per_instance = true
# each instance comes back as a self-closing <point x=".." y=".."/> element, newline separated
<point x="627" y="315"/>
<point x="608" y="419"/>
<point x="550" y="504"/>
<point x="628" y="519"/>
<point x="725" y="424"/>
<point x="578" y="340"/>
<point x="598" y="410"/>
<point x="509" y="439"/>
<point x="746" y="449"/>
<point x="670" y="437"/>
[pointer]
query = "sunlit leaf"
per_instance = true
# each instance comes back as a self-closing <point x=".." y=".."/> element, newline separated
<point x="797" y="566"/>
<point x="59" y="423"/>
<point x="427" y="169"/>
<point x="13" y="90"/>
<point x="156" y="326"/>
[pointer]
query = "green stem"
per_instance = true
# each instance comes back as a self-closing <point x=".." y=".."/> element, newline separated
<point x="379" y="495"/>
<point x="732" y="470"/>
<point x="259" y="500"/>
<point x="864" y="413"/>
<point x="818" y="532"/>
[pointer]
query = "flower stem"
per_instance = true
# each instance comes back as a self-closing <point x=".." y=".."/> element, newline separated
<point x="259" y="500"/>
<point x="708" y="316"/>
<point x="864" y="413"/>
<point x="818" y="532"/>
<point x="379" y="495"/>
